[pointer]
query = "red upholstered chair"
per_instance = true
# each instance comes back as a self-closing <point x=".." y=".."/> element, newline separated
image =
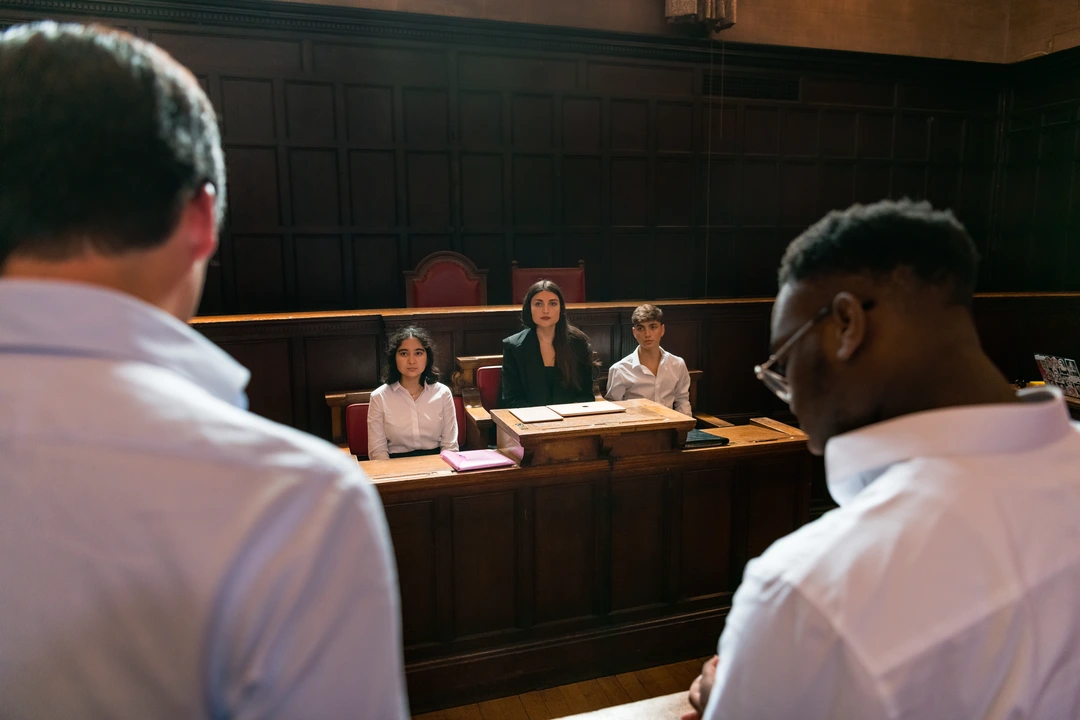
<point x="489" y="379"/>
<point x="445" y="279"/>
<point x="570" y="280"/>
<point x="356" y="429"/>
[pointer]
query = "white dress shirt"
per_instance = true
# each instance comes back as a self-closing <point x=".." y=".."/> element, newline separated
<point x="399" y="424"/>
<point x="164" y="553"/>
<point x="946" y="585"/>
<point x="670" y="386"/>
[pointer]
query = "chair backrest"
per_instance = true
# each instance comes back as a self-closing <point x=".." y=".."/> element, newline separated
<point x="488" y="380"/>
<point x="459" y="411"/>
<point x="570" y="280"/>
<point x="337" y="401"/>
<point x="356" y="429"/>
<point x="445" y="279"/>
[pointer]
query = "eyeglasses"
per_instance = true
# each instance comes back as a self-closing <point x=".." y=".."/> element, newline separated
<point x="774" y="380"/>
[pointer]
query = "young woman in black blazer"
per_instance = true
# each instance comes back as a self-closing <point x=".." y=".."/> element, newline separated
<point x="550" y="361"/>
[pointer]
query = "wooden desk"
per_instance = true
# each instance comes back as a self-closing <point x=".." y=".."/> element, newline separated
<point x="645" y="427"/>
<point x="415" y="468"/>
<point x="758" y="430"/>
<point x="1074" y="407"/>
<point x="513" y="578"/>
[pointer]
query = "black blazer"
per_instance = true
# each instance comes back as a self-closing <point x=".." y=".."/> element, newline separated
<point x="524" y="377"/>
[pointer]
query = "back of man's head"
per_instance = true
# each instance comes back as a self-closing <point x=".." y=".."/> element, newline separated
<point x="102" y="138"/>
<point x="882" y="238"/>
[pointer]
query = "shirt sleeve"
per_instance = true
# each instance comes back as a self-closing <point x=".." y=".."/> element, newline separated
<point x="682" y="390"/>
<point x="616" y="384"/>
<point x="376" y="429"/>
<point x="781" y="659"/>
<point x="309" y="623"/>
<point x="449" y="433"/>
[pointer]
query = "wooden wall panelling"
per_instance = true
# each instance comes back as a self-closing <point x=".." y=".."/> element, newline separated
<point x="485" y="563"/>
<point x="412" y="531"/>
<point x="527" y="575"/>
<point x="639" y="541"/>
<point x="298" y="157"/>
<point x="1035" y="226"/>
<point x="705" y="520"/>
<point x="734" y="347"/>
<point x="775" y="506"/>
<point x="336" y="363"/>
<point x="270" y="392"/>
<point x="565" y="551"/>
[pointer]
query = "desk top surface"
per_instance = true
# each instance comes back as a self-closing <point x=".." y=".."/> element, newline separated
<point x="759" y="435"/>
<point x="639" y="415"/>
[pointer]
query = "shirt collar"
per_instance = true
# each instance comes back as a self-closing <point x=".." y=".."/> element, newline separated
<point x="81" y="320"/>
<point x="636" y="362"/>
<point x="857" y="458"/>
<point x="397" y="387"/>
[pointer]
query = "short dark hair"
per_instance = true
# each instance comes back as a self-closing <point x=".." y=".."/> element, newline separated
<point x="391" y="374"/>
<point x="882" y="237"/>
<point x="646" y="313"/>
<point x="103" y="136"/>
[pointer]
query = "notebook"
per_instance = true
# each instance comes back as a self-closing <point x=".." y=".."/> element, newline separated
<point x="1061" y="372"/>
<point x="599" y="407"/>
<point x="465" y="460"/>
<point x="700" y="438"/>
<point x="535" y="414"/>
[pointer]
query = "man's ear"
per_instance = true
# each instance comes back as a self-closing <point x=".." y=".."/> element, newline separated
<point x="200" y="215"/>
<point x="851" y="325"/>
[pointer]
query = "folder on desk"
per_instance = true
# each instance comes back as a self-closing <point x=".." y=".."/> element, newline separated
<point x="465" y="460"/>
<point x="598" y="407"/>
<point x="699" y="439"/>
<point x="536" y="414"/>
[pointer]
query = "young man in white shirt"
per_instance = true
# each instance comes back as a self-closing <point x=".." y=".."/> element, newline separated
<point x="164" y="553"/>
<point x="650" y="372"/>
<point x="946" y="585"/>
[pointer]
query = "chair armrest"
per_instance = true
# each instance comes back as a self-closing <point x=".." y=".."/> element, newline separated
<point x="478" y="426"/>
<point x="707" y="421"/>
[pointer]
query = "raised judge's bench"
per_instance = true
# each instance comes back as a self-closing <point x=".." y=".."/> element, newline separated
<point x="525" y="577"/>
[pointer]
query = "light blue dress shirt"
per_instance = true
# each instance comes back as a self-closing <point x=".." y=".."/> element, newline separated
<point x="163" y="552"/>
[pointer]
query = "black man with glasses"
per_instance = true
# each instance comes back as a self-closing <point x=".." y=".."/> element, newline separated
<point x="946" y="584"/>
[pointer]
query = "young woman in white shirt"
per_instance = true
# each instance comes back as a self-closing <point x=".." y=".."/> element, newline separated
<point x="411" y="413"/>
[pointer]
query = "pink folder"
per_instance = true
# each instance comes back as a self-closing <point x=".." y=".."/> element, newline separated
<point x="466" y="460"/>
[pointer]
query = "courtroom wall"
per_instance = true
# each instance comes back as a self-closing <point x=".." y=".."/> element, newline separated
<point x="1040" y="27"/>
<point x="957" y="29"/>
<point x="1037" y="223"/>
<point x="358" y="142"/>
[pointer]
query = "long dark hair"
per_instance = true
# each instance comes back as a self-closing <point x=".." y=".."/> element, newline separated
<point x="568" y="356"/>
<point x="391" y="374"/>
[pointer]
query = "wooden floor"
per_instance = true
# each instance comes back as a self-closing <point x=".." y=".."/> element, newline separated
<point x="579" y="697"/>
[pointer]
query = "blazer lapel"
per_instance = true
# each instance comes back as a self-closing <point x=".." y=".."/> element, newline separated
<point x="531" y="361"/>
